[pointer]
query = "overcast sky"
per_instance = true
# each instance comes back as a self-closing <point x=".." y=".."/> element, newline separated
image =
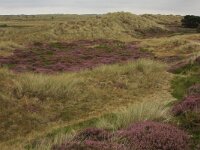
<point x="99" y="6"/>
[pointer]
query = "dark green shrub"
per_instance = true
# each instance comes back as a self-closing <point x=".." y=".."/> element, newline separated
<point x="191" y="21"/>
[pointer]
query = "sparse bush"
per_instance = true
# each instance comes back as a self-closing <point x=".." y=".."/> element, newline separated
<point x="153" y="136"/>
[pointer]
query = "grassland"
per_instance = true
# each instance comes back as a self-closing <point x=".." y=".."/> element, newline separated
<point x="22" y="30"/>
<point x="112" y="82"/>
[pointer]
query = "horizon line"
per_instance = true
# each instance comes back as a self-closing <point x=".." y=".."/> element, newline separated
<point x="37" y="14"/>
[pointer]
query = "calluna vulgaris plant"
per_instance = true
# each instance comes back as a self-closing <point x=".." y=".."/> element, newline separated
<point x="150" y="135"/>
<point x="90" y="145"/>
<point x="146" y="135"/>
<point x="188" y="112"/>
<point x="190" y="103"/>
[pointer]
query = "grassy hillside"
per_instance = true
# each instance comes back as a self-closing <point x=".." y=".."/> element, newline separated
<point x="20" y="30"/>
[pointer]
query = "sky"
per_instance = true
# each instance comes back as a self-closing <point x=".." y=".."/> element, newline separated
<point x="179" y="7"/>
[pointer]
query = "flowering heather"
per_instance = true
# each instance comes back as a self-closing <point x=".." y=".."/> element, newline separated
<point x="190" y="103"/>
<point x="139" y="136"/>
<point x="74" y="56"/>
<point x="154" y="136"/>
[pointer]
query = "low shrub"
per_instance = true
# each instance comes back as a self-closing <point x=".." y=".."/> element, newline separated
<point x="94" y="134"/>
<point x="190" y="103"/>
<point x="188" y="112"/>
<point x="146" y="135"/>
<point x="150" y="135"/>
<point x="90" y="145"/>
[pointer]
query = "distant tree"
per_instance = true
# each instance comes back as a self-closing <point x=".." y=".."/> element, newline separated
<point x="191" y="21"/>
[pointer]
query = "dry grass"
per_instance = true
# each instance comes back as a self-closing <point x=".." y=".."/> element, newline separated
<point x="119" y="26"/>
<point x="181" y="45"/>
<point x="7" y="47"/>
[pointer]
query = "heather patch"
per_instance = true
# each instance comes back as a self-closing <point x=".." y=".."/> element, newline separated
<point x="190" y="103"/>
<point x="187" y="113"/>
<point x="139" y="136"/>
<point x="74" y="56"/>
<point x="153" y="135"/>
